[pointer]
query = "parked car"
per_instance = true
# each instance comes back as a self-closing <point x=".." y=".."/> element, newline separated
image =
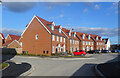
<point x="113" y="51"/>
<point x="105" y="51"/>
<point x="94" y="51"/>
<point x="118" y="51"/>
<point x="79" y="52"/>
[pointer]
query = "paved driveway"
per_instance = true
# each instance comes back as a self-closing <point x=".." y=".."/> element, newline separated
<point x="65" y="67"/>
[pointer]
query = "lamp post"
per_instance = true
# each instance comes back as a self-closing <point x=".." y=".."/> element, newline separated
<point x="72" y="42"/>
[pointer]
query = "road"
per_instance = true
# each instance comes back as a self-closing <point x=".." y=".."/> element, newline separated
<point x="66" y="66"/>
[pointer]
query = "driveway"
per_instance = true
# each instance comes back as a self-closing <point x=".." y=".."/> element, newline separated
<point x="65" y="67"/>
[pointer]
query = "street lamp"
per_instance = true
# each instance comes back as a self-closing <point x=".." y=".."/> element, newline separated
<point x="72" y="42"/>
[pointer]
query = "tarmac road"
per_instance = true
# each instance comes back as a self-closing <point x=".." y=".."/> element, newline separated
<point x="65" y="66"/>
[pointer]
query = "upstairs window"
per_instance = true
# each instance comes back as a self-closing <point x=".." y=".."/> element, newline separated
<point x="60" y="39"/>
<point x="97" y="38"/>
<point x="89" y="43"/>
<point x="57" y="38"/>
<point x="36" y="36"/>
<point x="53" y="37"/>
<point x="83" y="42"/>
<point x="86" y="42"/>
<point x="64" y="40"/>
<point x="83" y="36"/>
<point x="89" y="37"/>
<point x="101" y="38"/>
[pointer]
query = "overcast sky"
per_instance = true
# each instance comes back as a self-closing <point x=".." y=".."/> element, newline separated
<point x="99" y="18"/>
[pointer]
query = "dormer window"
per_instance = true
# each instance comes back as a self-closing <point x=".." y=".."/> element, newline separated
<point x="36" y="36"/>
<point x="74" y="34"/>
<point x="83" y="36"/>
<point x="89" y="37"/>
<point x="97" y="38"/>
<point x="101" y="38"/>
<point x="51" y="26"/>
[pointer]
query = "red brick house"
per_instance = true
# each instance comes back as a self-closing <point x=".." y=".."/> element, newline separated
<point x="99" y="43"/>
<point x="2" y="40"/>
<point x="12" y="41"/>
<point x="43" y="37"/>
<point x="85" y="41"/>
<point x="72" y="42"/>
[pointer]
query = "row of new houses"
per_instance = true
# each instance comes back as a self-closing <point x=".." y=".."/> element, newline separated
<point x="44" y="37"/>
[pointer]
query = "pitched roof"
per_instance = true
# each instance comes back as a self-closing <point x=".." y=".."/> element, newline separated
<point x="13" y="37"/>
<point x="46" y="23"/>
<point x="94" y="37"/>
<point x="66" y="32"/>
<point x="79" y="34"/>
<point x="2" y="36"/>
<point x="7" y="42"/>
<point x="105" y="40"/>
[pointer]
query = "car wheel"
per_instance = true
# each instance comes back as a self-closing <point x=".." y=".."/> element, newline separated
<point x="82" y="54"/>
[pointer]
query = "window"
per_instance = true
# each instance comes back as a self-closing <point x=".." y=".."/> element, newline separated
<point x="83" y="42"/>
<point x="53" y="37"/>
<point x="53" y="49"/>
<point x="89" y="37"/>
<point x="92" y="43"/>
<point x="36" y="36"/>
<point x="83" y="36"/>
<point x="89" y="43"/>
<point x="57" y="38"/>
<point x="21" y="43"/>
<point x="52" y="27"/>
<point x="97" y="38"/>
<point x="83" y="48"/>
<point x="97" y="43"/>
<point x="60" y="39"/>
<point x="47" y="52"/>
<point x="43" y="52"/>
<point x="86" y="42"/>
<point x="64" y="40"/>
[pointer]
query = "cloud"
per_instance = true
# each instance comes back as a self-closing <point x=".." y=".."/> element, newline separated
<point x="18" y="6"/>
<point x="114" y="5"/>
<point x="97" y="6"/>
<point x="6" y="31"/>
<point x="85" y="10"/>
<point x="52" y="5"/>
<point x="61" y="15"/>
<point x="109" y="32"/>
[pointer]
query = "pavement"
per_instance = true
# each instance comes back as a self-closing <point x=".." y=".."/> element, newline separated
<point x="65" y="66"/>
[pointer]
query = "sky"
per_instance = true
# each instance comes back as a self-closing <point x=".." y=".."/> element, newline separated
<point x="99" y="18"/>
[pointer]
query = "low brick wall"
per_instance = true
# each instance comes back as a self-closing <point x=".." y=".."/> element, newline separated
<point x="18" y="50"/>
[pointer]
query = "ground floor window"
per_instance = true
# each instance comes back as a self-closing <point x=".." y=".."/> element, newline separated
<point x="43" y="52"/>
<point x="47" y="52"/>
<point x="53" y="49"/>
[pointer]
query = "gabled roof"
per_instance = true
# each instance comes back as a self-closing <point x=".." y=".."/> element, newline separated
<point x="2" y="36"/>
<point x="79" y="34"/>
<point x="7" y="42"/>
<point x="14" y="37"/>
<point x="46" y="23"/>
<point x="94" y="38"/>
<point x="66" y="32"/>
<point x="105" y="40"/>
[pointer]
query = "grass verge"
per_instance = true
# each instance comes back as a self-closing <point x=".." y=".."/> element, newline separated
<point x="3" y="65"/>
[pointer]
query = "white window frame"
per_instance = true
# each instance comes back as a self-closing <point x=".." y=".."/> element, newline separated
<point x="36" y="36"/>
<point x="64" y="40"/>
<point x="60" y="39"/>
<point x="53" y="49"/>
<point x="89" y="43"/>
<point x="83" y="36"/>
<point x="86" y="42"/>
<point x="57" y="38"/>
<point x="83" y="42"/>
<point x="53" y="37"/>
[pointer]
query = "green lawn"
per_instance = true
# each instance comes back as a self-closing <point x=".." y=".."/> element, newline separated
<point x="3" y="65"/>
